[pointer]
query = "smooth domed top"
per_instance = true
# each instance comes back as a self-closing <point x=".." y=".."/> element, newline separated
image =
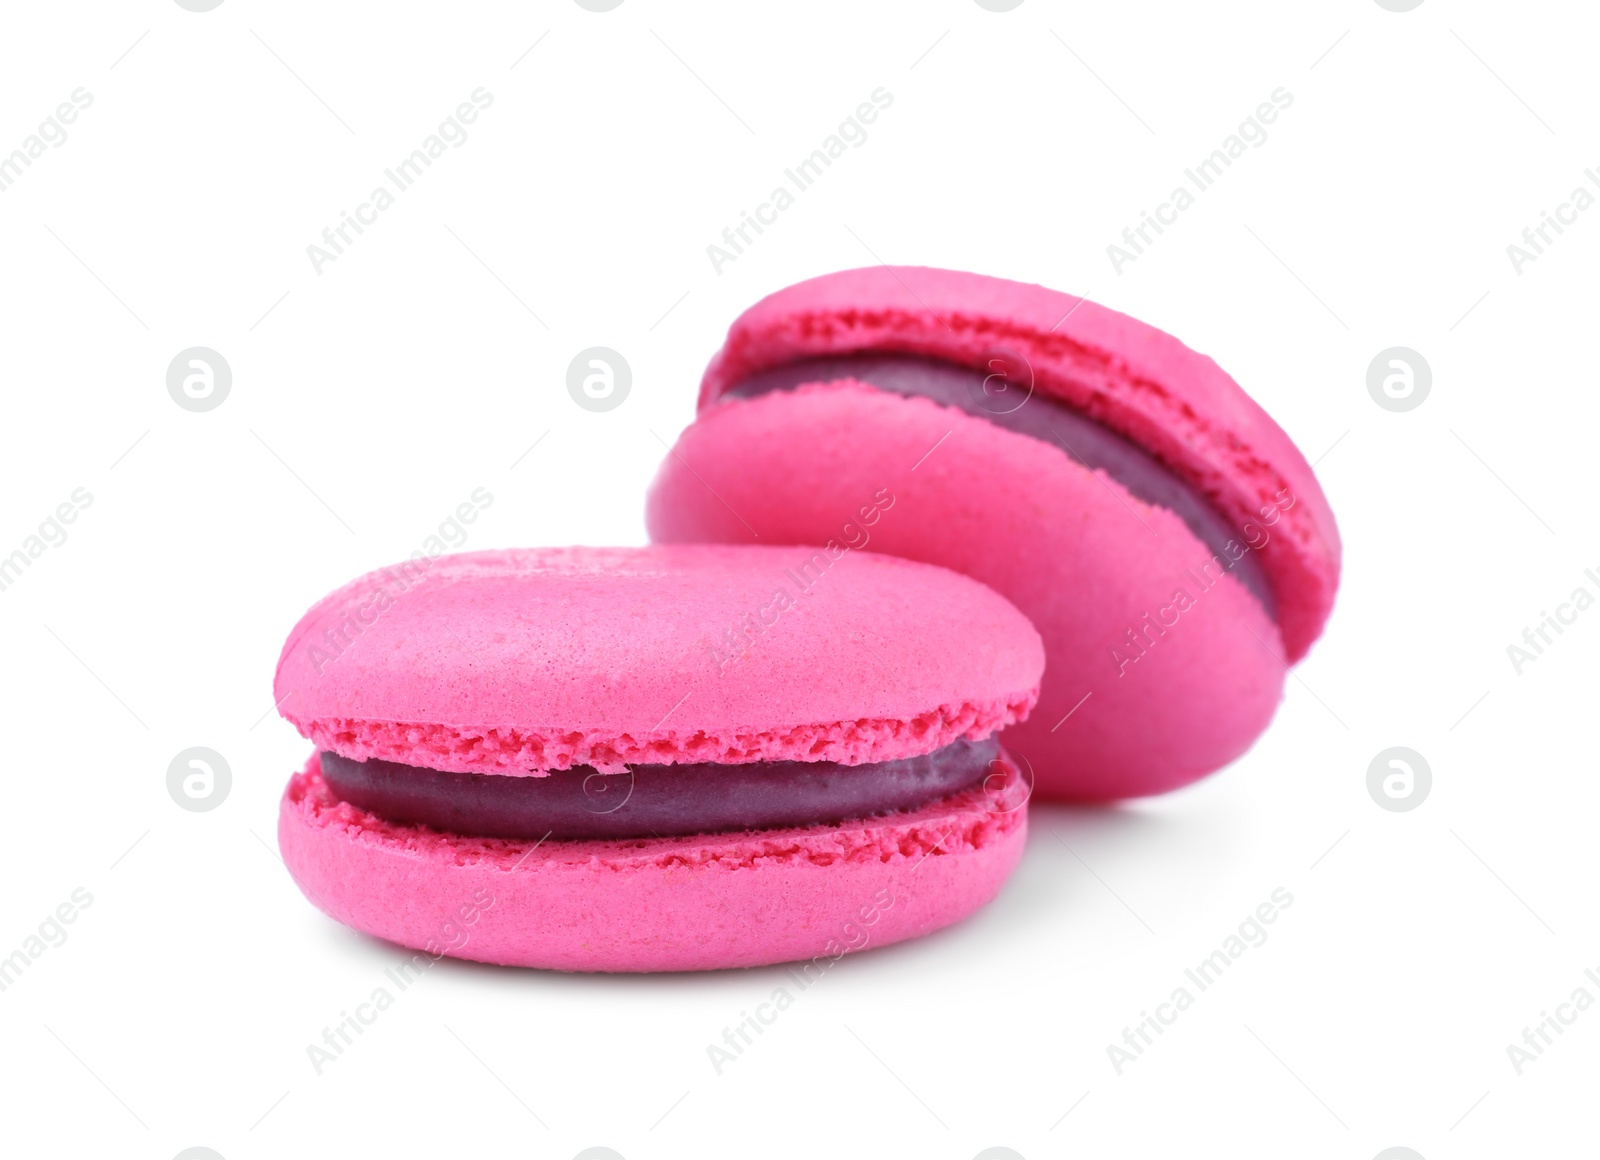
<point x="530" y="660"/>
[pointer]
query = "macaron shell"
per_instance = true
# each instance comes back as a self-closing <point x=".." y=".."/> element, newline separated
<point x="674" y="904"/>
<point x="1132" y="377"/>
<point x="1085" y="560"/>
<point x="530" y="660"/>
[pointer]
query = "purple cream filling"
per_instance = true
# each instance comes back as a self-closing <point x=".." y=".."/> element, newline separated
<point x="1007" y="399"/>
<point x="654" y="800"/>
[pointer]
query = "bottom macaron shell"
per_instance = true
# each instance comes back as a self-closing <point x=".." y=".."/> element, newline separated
<point x="659" y="904"/>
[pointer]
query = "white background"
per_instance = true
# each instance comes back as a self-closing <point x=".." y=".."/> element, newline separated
<point x="376" y="395"/>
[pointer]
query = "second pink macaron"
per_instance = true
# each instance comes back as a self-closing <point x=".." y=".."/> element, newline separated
<point x="1165" y="536"/>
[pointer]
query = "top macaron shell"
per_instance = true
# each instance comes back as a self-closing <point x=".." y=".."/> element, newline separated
<point x="524" y="661"/>
<point x="1131" y="377"/>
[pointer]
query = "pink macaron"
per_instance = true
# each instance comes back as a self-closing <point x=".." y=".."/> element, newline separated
<point x="1167" y="539"/>
<point x="648" y="759"/>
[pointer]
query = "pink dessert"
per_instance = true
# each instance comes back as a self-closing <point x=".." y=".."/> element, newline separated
<point x="668" y="758"/>
<point x="1167" y="539"/>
